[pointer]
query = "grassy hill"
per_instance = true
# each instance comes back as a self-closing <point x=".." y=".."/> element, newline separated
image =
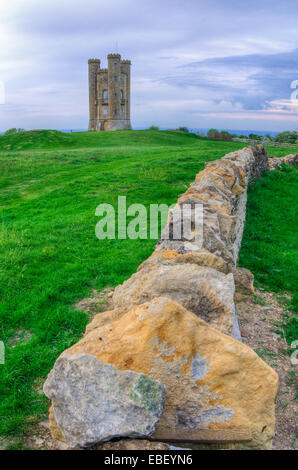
<point x="50" y="139"/>
<point x="50" y="186"/>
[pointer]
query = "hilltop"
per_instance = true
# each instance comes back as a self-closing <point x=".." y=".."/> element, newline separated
<point x="51" y="139"/>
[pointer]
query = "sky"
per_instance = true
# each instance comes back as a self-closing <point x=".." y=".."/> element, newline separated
<point x="201" y="64"/>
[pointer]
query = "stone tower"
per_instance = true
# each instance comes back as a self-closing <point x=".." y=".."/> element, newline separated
<point x="109" y="94"/>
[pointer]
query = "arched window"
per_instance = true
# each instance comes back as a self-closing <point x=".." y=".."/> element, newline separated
<point x="121" y="94"/>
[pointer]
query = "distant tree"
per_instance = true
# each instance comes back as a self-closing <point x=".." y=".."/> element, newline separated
<point x="224" y="135"/>
<point x="153" y="128"/>
<point x="183" y="129"/>
<point x="255" y="137"/>
<point x="211" y="134"/>
<point x="14" y="130"/>
<point x="216" y="135"/>
<point x="287" y="137"/>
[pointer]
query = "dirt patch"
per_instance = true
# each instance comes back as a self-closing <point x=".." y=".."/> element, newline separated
<point x="41" y="439"/>
<point x="99" y="301"/>
<point x="20" y="336"/>
<point x="260" y="317"/>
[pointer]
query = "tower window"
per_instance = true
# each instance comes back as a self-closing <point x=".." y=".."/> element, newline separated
<point x="105" y="95"/>
<point x="115" y="78"/>
<point x="121" y="94"/>
<point x="105" y="110"/>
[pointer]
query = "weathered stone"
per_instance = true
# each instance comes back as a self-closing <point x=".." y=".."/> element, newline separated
<point x="202" y="258"/>
<point x="212" y="380"/>
<point x="277" y="162"/>
<point x="103" y="318"/>
<point x="234" y="176"/>
<point x="133" y="444"/>
<point x="204" y="291"/>
<point x="214" y="241"/>
<point x="244" y="284"/>
<point x="222" y="190"/>
<point x="94" y="402"/>
<point x="56" y="432"/>
<point x="252" y="160"/>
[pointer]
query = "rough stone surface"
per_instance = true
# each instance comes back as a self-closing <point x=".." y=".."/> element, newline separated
<point x="103" y="318"/>
<point x="203" y="258"/>
<point x="204" y="291"/>
<point x="197" y="272"/>
<point x="244" y="284"/>
<point x="94" y="402"/>
<point x="133" y="444"/>
<point x="222" y="189"/>
<point x="212" y="380"/>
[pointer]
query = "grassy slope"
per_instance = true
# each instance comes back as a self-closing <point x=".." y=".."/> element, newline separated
<point x="50" y="186"/>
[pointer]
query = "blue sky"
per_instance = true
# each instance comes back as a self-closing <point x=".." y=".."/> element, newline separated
<point x="215" y="63"/>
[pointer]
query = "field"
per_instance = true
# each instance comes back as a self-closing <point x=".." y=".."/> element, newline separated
<point x="51" y="184"/>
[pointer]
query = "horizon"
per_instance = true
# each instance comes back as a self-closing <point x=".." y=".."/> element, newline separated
<point x="183" y="72"/>
<point x="203" y="130"/>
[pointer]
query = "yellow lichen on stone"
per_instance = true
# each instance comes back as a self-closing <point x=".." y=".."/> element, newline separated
<point x="212" y="380"/>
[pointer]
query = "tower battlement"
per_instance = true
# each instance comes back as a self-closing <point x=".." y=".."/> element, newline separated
<point x="109" y="94"/>
<point x="114" y="56"/>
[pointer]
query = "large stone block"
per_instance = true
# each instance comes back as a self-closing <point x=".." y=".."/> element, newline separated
<point x="95" y="402"/>
<point x="212" y="380"/>
<point x="204" y="291"/>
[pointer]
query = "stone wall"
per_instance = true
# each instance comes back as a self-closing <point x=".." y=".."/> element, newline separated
<point x="200" y="276"/>
<point x="276" y="162"/>
<point x="174" y="325"/>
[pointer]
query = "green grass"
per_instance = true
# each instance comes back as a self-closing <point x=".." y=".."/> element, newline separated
<point x="269" y="247"/>
<point x="51" y="184"/>
<point x="80" y="140"/>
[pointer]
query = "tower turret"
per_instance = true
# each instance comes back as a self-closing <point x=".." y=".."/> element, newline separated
<point x="114" y="81"/>
<point x="93" y="67"/>
<point x="125" y="68"/>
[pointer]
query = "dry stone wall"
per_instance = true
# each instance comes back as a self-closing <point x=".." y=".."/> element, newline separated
<point x="200" y="275"/>
<point x="276" y="162"/>
<point x="174" y="325"/>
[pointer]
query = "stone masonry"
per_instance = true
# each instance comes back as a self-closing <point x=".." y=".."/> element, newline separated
<point x="109" y="94"/>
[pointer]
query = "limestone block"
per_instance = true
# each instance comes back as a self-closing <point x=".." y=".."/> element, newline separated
<point x="94" y="402"/>
<point x="212" y="380"/>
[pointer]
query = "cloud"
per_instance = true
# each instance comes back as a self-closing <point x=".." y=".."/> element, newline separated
<point x="195" y="63"/>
